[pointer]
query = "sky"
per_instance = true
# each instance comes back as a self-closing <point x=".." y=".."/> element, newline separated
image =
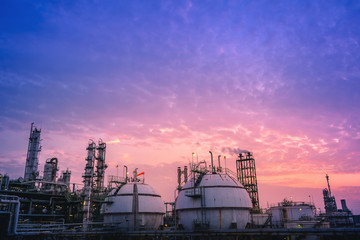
<point x="160" y="80"/>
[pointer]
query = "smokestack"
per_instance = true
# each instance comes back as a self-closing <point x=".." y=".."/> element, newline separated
<point x="185" y="174"/>
<point x="179" y="177"/>
<point x="328" y="183"/>
<point x="343" y="205"/>
<point x="135" y="174"/>
<point x="212" y="162"/>
<point x="126" y="173"/>
<point x="219" y="168"/>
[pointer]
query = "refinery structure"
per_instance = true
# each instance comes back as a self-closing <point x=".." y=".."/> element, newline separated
<point x="210" y="202"/>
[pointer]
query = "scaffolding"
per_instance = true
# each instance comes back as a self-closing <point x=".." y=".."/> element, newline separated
<point x="246" y="174"/>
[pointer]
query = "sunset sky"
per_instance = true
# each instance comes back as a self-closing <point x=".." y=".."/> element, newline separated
<point x="159" y="80"/>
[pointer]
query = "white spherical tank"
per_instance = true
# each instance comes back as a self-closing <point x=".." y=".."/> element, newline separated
<point x="213" y="201"/>
<point x="135" y="206"/>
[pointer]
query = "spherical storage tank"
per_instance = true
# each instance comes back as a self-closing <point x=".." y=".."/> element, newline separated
<point x="213" y="201"/>
<point x="134" y="206"/>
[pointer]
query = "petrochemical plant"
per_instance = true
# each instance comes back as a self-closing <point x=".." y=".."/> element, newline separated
<point x="211" y="202"/>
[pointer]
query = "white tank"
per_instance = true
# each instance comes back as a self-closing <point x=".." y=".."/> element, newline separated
<point x="135" y="206"/>
<point x="213" y="201"/>
<point x="289" y="211"/>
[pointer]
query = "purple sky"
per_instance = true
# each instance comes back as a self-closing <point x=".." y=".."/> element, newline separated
<point x="159" y="80"/>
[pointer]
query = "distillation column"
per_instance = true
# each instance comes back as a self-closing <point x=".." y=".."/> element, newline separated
<point x="50" y="170"/>
<point x="65" y="177"/>
<point x="32" y="160"/>
<point x="88" y="179"/>
<point x="329" y="200"/>
<point x="100" y="166"/>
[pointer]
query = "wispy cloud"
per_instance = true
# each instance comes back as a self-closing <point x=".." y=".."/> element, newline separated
<point x="172" y="78"/>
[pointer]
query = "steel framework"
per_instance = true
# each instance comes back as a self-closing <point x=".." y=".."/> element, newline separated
<point x="246" y="174"/>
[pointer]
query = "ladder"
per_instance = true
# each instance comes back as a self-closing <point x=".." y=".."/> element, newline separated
<point x="203" y="207"/>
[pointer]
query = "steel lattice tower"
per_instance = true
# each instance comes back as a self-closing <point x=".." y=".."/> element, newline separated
<point x="246" y="174"/>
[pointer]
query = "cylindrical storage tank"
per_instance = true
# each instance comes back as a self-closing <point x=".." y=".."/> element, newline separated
<point x="135" y="206"/>
<point x="291" y="211"/>
<point x="213" y="201"/>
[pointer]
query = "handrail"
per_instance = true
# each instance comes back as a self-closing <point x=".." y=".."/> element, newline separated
<point x="231" y="173"/>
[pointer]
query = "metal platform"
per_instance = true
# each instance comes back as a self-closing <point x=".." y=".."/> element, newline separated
<point x="254" y="234"/>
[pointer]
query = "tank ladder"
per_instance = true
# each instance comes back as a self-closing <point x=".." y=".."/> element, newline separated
<point x="203" y="208"/>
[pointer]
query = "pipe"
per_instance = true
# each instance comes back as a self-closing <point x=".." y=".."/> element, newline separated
<point x="212" y="162"/>
<point x="219" y="163"/>
<point x="135" y="204"/>
<point x="17" y="211"/>
<point x="54" y="160"/>
<point x="175" y="209"/>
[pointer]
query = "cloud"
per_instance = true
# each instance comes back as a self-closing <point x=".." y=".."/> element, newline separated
<point x="113" y="141"/>
<point x="149" y="80"/>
